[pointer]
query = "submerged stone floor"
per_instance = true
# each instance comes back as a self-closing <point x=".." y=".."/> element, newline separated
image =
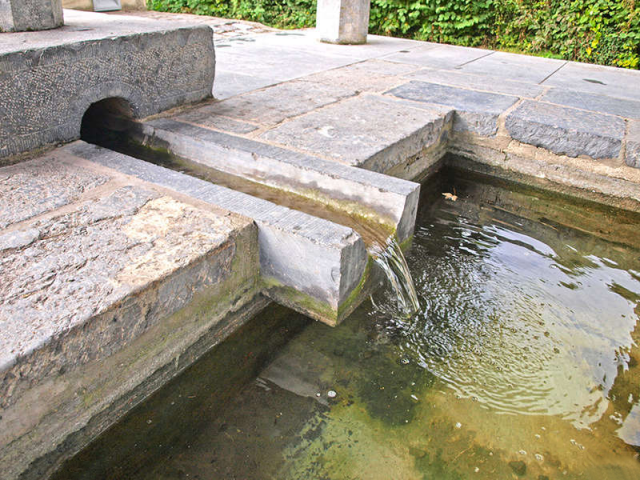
<point x="114" y="279"/>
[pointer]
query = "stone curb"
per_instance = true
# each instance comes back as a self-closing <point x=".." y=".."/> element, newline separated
<point x="392" y="199"/>
<point x="298" y="253"/>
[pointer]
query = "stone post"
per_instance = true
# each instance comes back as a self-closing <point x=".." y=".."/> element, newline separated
<point x="342" y="21"/>
<point x="25" y="15"/>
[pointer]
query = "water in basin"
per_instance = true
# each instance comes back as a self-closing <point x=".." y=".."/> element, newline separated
<point x="521" y="362"/>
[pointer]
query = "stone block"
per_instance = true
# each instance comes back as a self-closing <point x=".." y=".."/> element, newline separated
<point x="598" y="79"/>
<point x="45" y="89"/>
<point x="343" y="21"/>
<point x="389" y="201"/>
<point x="596" y="103"/>
<point x="632" y="154"/>
<point x="566" y="131"/>
<point x="30" y="15"/>
<point x="100" y="295"/>
<point x="306" y="263"/>
<point x="477" y="112"/>
<point x="367" y="131"/>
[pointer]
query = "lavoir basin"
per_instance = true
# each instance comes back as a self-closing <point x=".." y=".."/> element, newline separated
<point x="522" y="362"/>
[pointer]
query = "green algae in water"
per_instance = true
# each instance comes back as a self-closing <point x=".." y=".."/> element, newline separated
<point x="521" y="363"/>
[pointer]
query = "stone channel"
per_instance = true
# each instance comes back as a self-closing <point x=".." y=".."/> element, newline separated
<point x="116" y="273"/>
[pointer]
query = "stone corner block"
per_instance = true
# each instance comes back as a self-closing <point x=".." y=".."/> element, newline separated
<point x="475" y="111"/>
<point x="565" y="130"/>
<point x="30" y="15"/>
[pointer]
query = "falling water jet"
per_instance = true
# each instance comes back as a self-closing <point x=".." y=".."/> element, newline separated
<point x="393" y="263"/>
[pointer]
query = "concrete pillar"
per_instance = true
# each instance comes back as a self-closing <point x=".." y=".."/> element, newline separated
<point x="25" y="15"/>
<point x="343" y="21"/>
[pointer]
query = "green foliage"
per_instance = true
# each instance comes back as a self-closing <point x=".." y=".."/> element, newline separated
<point x="598" y="31"/>
<point x="275" y="13"/>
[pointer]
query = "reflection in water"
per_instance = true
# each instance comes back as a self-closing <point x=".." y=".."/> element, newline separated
<point x="522" y="361"/>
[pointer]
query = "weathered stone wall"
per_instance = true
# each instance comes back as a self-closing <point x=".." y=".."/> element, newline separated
<point x="26" y="15"/>
<point x="44" y="92"/>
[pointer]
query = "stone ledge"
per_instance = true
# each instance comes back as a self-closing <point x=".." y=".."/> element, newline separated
<point x="566" y="131"/>
<point x="309" y="264"/>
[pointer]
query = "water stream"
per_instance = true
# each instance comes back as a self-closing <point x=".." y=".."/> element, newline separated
<point x="394" y="265"/>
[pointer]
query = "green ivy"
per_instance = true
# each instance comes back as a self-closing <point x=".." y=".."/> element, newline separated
<point x="606" y="32"/>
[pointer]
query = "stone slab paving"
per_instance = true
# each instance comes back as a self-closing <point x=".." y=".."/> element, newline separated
<point x="486" y="83"/>
<point x="367" y="131"/>
<point x="267" y="107"/>
<point x="608" y="81"/>
<point x="594" y="102"/>
<point x="477" y="112"/>
<point x="510" y="66"/>
<point x="434" y="55"/>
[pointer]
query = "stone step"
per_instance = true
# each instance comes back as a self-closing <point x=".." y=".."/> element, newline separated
<point x="390" y="201"/>
<point x="309" y="264"/>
